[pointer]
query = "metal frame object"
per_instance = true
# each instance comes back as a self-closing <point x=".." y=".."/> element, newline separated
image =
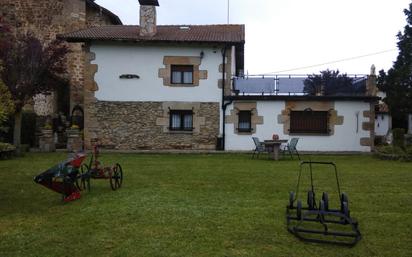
<point x="319" y="223"/>
<point x="63" y="178"/>
<point x="96" y="170"/>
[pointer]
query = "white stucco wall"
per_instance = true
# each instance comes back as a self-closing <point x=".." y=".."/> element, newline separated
<point x="116" y="59"/>
<point x="346" y="137"/>
<point x="382" y="124"/>
<point x="410" y="124"/>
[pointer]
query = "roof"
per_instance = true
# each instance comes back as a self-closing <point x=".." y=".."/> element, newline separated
<point x="113" y="17"/>
<point x="165" y="33"/>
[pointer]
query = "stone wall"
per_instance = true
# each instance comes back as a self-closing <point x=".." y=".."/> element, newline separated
<point x="135" y="126"/>
<point x="48" y="18"/>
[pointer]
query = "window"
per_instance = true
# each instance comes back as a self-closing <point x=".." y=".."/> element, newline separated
<point x="245" y="121"/>
<point x="181" y="120"/>
<point x="310" y="122"/>
<point x="182" y="74"/>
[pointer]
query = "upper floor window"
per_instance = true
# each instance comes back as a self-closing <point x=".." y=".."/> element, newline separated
<point x="309" y="122"/>
<point x="181" y="120"/>
<point x="245" y="121"/>
<point x="182" y="74"/>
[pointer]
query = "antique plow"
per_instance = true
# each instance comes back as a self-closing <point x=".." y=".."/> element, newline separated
<point x="321" y="223"/>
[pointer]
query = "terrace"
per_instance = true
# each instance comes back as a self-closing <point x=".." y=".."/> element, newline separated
<point x="290" y="85"/>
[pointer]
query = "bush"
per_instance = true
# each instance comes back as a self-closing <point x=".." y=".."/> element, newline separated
<point x="398" y="137"/>
<point x="5" y="147"/>
<point x="6" y="150"/>
<point x="389" y="152"/>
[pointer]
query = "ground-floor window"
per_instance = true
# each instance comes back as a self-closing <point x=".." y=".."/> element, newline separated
<point x="181" y="120"/>
<point x="245" y="121"/>
<point x="309" y="122"/>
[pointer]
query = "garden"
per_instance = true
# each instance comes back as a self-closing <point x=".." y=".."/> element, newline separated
<point x="199" y="205"/>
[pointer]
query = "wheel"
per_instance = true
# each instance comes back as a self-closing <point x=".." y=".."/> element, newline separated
<point x="116" y="176"/>
<point x="325" y="199"/>
<point x="299" y="209"/>
<point x="311" y="200"/>
<point x="291" y="199"/>
<point x="83" y="178"/>
<point x="344" y="199"/>
<point x="322" y="205"/>
<point x="345" y="209"/>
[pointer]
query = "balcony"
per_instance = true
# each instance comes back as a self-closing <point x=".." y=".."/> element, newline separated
<point x="293" y="85"/>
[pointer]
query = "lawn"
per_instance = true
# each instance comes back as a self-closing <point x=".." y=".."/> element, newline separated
<point x="198" y="205"/>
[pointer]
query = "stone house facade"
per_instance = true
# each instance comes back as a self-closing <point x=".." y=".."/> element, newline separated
<point x="48" y="18"/>
<point x="170" y="87"/>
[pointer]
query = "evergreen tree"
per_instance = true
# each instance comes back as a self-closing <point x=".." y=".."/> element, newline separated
<point x="397" y="82"/>
<point x="329" y="82"/>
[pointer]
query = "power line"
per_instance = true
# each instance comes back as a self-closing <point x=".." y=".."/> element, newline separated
<point x="332" y="62"/>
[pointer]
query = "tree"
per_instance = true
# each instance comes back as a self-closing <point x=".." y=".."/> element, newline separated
<point x="6" y="105"/>
<point x="29" y="68"/>
<point x="397" y="82"/>
<point x="331" y="83"/>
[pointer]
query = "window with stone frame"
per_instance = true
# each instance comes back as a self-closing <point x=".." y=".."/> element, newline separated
<point x="309" y="122"/>
<point x="245" y="121"/>
<point x="181" y="120"/>
<point x="182" y="74"/>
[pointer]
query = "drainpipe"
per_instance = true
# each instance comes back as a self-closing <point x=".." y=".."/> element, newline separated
<point x="224" y="105"/>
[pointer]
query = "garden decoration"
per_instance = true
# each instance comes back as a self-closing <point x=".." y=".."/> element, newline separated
<point x="64" y="177"/>
<point x="96" y="170"/>
<point x="321" y="224"/>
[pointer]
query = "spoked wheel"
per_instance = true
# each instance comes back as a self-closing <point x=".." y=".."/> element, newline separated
<point x="83" y="178"/>
<point x="116" y="177"/>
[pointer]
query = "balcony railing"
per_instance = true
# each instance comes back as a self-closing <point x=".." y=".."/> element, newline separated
<point x="292" y="85"/>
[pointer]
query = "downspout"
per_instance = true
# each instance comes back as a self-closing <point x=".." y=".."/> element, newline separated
<point x="224" y="105"/>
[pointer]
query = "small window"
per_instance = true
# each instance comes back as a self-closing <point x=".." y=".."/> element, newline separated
<point x="245" y="121"/>
<point x="182" y="74"/>
<point x="309" y="122"/>
<point x="181" y="120"/>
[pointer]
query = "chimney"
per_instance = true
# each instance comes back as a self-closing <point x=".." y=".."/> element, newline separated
<point x="148" y="17"/>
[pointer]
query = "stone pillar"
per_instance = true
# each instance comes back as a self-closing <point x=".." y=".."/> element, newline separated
<point x="46" y="141"/>
<point x="74" y="140"/>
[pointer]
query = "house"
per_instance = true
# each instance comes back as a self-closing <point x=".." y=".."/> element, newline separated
<point x="170" y="87"/>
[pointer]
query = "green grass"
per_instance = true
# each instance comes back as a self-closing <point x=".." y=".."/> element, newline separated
<point x="198" y="205"/>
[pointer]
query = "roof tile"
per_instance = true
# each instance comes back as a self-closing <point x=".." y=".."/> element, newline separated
<point x="168" y="33"/>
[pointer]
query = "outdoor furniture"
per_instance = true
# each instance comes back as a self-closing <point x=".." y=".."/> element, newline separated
<point x="259" y="147"/>
<point x="291" y="147"/>
<point x="273" y="147"/>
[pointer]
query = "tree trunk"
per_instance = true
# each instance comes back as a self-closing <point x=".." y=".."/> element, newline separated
<point x="17" y="130"/>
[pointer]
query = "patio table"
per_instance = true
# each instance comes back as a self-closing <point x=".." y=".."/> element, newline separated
<point x="273" y="147"/>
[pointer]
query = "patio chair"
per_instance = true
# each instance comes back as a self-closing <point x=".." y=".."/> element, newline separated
<point x="290" y="147"/>
<point x="259" y="147"/>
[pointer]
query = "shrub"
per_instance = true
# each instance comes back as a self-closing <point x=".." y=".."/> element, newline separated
<point x="6" y="150"/>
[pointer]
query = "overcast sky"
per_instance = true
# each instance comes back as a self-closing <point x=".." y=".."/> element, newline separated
<point x="283" y="35"/>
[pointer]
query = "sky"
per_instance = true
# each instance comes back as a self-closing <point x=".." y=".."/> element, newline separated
<point x="284" y="36"/>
